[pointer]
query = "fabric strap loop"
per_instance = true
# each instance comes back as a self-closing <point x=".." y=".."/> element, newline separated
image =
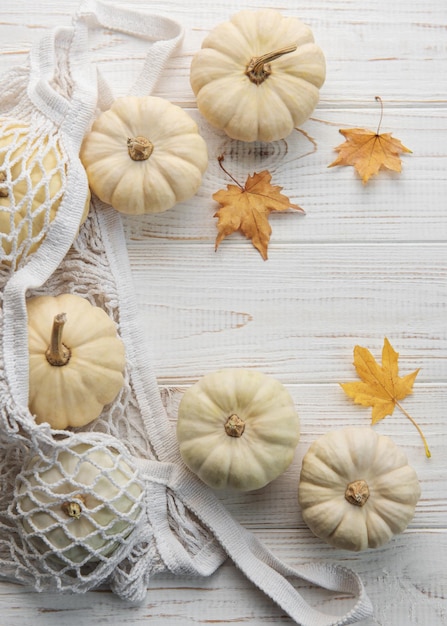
<point x="265" y="570"/>
<point x="259" y="565"/>
<point x="164" y="34"/>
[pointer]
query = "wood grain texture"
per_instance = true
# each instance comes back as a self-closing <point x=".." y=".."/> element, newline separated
<point x="402" y="591"/>
<point x="364" y="262"/>
<point x="290" y="312"/>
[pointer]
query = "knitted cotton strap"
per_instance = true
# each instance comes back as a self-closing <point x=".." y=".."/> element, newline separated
<point x="163" y="33"/>
<point x="265" y="570"/>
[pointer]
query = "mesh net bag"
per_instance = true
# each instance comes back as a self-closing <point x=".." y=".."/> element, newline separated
<point x="109" y="504"/>
<point x="33" y="166"/>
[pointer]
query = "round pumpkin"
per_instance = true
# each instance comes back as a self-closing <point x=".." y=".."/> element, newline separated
<point x="237" y="429"/>
<point x="76" y="360"/>
<point x="356" y="489"/>
<point x="80" y="506"/>
<point x="144" y="155"/>
<point x="258" y="76"/>
<point x="32" y="178"/>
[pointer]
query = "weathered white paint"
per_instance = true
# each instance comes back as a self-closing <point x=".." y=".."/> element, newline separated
<point x="361" y="264"/>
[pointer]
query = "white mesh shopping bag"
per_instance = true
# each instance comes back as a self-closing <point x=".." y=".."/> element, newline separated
<point x="110" y="504"/>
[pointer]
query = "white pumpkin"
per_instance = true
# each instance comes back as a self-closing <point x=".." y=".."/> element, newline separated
<point x="76" y="360"/>
<point x="258" y="76"/>
<point x="80" y="506"/>
<point x="237" y="429"/>
<point x="144" y="155"/>
<point x="357" y="489"/>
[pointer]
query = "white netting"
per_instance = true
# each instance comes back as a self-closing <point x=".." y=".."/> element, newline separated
<point x="30" y="509"/>
<point x="32" y="181"/>
<point x="86" y="272"/>
<point x="33" y="167"/>
<point x="48" y="477"/>
<point x="75" y="505"/>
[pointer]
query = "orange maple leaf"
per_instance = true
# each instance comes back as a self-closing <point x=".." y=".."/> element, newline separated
<point x="246" y="209"/>
<point x="369" y="152"/>
<point x="381" y="388"/>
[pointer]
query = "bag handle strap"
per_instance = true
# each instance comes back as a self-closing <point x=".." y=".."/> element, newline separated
<point x="265" y="570"/>
<point x="163" y="33"/>
<point x="260" y="566"/>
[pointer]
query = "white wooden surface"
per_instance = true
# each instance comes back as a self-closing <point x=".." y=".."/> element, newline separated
<point x="362" y="264"/>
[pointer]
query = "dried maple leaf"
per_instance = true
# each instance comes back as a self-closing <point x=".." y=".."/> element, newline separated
<point x="369" y="151"/>
<point x="381" y="386"/>
<point x="246" y="208"/>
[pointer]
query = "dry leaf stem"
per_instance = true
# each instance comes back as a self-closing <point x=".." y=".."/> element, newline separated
<point x="221" y="159"/>
<point x="418" y="428"/>
<point x="379" y="99"/>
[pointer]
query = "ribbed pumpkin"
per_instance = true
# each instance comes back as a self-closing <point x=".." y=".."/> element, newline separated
<point x="144" y="155"/>
<point x="237" y="429"/>
<point x="357" y="489"/>
<point x="258" y="76"/>
<point x="76" y="360"/>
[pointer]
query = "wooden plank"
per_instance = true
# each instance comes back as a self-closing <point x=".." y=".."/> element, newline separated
<point x="401" y="591"/>
<point x="298" y="315"/>
<point x="364" y="262"/>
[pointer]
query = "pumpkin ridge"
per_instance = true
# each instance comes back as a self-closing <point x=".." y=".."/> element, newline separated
<point x="73" y="392"/>
<point x="251" y="42"/>
<point x="381" y="516"/>
<point x="244" y="463"/>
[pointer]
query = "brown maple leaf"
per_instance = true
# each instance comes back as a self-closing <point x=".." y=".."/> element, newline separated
<point x="246" y="209"/>
<point x="368" y="151"/>
<point x="381" y="388"/>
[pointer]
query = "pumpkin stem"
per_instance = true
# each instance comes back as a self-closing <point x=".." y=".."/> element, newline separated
<point x="73" y="508"/>
<point x="259" y="67"/>
<point x="357" y="492"/>
<point x="139" y="148"/>
<point x="234" y="426"/>
<point x="3" y="191"/>
<point x="58" y="354"/>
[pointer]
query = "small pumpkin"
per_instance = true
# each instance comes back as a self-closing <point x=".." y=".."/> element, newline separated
<point x="76" y="360"/>
<point x="32" y="173"/>
<point x="237" y="429"/>
<point x="258" y="75"/>
<point x="81" y="505"/>
<point x="356" y="489"/>
<point x="144" y="155"/>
